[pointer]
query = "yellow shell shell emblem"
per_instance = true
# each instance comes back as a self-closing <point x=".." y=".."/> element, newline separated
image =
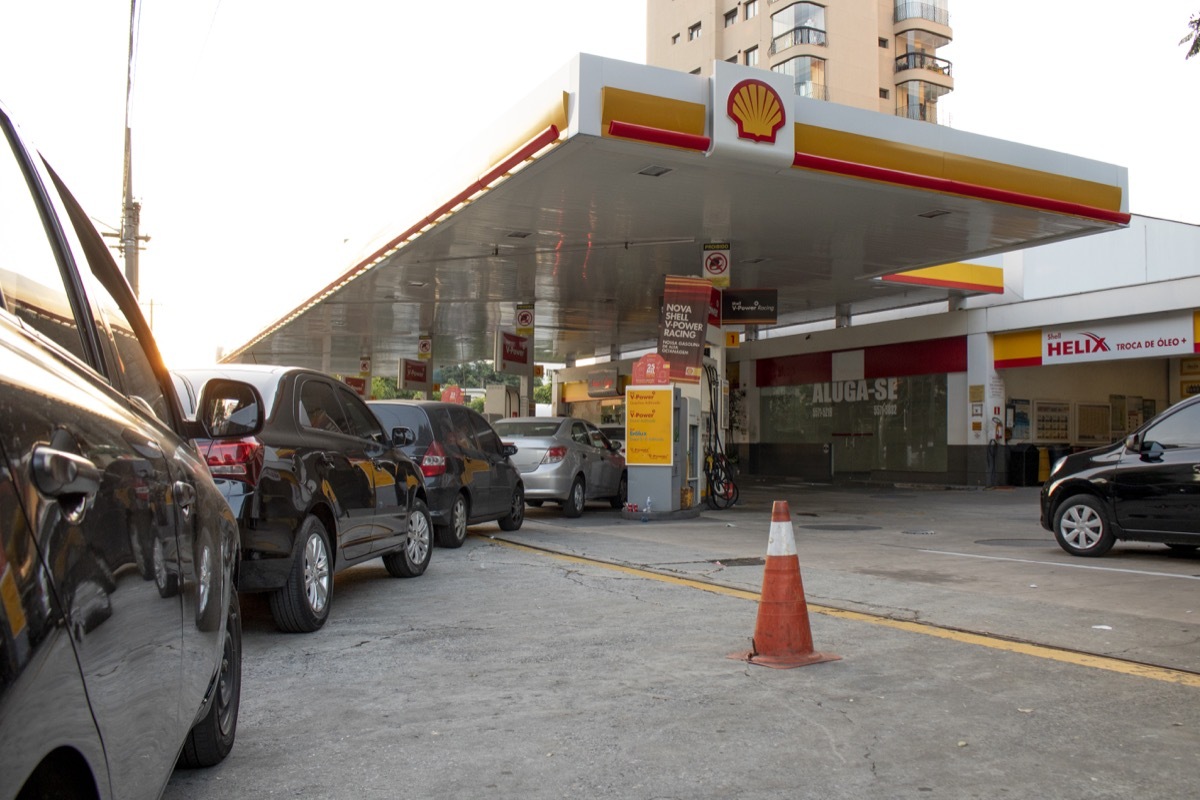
<point x="757" y="110"/>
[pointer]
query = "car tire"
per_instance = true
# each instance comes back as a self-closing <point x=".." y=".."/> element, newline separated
<point x="1082" y="526"/>
<point x="573" y="505"/>
<point x="516" y="511"/>
<point x="302" y="605"/>
<point x="455" y="533"/>
<point x="1182" y="549"/>
<point x="211" y="738"/>
<point x="411" y="560"/>
<point x="622" y="495"/>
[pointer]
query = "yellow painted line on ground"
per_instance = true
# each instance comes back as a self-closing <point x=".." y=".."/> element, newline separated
<point x="1117" y="665"/>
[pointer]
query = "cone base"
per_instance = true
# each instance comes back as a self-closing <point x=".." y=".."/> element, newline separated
<point x="784" y="661"/>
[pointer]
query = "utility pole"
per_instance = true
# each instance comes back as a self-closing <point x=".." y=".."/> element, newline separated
<point x="131" y="210"/>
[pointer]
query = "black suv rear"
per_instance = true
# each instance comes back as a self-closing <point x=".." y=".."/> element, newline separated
<point x="468" y="476"/>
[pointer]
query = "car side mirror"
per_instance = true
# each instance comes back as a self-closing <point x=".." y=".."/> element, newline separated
<point x="227" y="409"/>
<point x="508" y="450"/>
<point x="403" y="437"/>
<point x="1152" y="451"/>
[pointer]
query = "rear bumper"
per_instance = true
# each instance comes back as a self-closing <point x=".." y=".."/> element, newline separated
<point x="547" y="484"/>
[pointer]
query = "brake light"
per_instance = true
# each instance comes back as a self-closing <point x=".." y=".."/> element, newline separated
<point x="237" y="459"/>
<point x="434" y="461"/>
<point x="554" y="454"/>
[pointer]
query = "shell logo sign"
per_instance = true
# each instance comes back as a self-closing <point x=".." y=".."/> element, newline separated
<point x="757" y="109"/>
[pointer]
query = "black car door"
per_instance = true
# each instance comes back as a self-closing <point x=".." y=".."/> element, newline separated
<point x="90" y="470"/>
<point x="386" y="466"/>
<point x="502" y="477"/>
<point x="337" y="457"/>
<point x="1157" y="487"/>
<point x="476" y="473"/>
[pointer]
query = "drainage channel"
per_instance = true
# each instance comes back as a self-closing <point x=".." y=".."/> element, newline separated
<point x="1049" y="652"/>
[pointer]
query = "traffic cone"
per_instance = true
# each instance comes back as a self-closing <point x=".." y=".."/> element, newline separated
<point x="782" y="638"/>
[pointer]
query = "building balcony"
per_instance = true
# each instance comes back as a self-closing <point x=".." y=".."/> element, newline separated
<point x="798" y="36"/>
<point x="924" y="61"/>
<point x="923" y="112"/>
<point x="926" y="11"/>
<point x="817" y="91"/>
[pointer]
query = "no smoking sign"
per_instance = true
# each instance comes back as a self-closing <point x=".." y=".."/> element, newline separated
<point x="716" y="263"/>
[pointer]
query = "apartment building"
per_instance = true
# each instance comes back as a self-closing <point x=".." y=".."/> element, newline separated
<point x="879" y="55"/>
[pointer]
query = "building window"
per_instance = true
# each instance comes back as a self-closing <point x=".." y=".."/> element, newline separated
<point x="730" y="18"/>
<point x="751" y="9"/>
<point x="751" y="57"/>
<point x="675" y="39"/>
<point x="800" y="23"/>
<point x="694" y="32"/>
<point x="884" y="94"/>
<point x="808" y="74"/>
<point x="883" y="43"/>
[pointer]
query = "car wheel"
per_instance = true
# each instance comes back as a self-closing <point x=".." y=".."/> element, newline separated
<point x="454" y="534"/>
<point x="1082" y="528"/>
<point x="411" y="560"/>
<point x="165" y="579"/>
<point x="573" y="505"/>
<point x="302" y="605"/>
<point x="516" y="511"/>
<point x="618" y="500"/>
<point x="211" y="739"/>
<point x="534" y="503"/>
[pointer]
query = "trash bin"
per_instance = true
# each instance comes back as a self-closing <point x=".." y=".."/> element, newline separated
<point x="1023" y="465"/>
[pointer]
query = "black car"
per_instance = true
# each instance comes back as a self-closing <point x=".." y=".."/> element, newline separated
<point x="1144" y="488"/>
<point x="111" y="673"/>
<point x="322" y="487"/>
<point x="467" y="470"/>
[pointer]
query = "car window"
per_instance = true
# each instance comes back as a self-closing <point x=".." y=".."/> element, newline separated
<point x="488" y="441"/>
<point x="319" y="407"/>
<point x="461" y="432"/>
<point x="31" y="280"/>
<point x="361" y="422"/>
<point x="1181" y="429"/>
<point x="579" y="433"/>
<point x="512" y="427"/>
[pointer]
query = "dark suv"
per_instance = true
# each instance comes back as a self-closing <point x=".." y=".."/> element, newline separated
<point x="110" y="672"/>
<point x="467" y="470"/>
<point x="319" y="489"/>
<point x="1145" y="488"/>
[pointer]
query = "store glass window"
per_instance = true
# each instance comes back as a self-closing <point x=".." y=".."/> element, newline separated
<point x="893" y="423"/>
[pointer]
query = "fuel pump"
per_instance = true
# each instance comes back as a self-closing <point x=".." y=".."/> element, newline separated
<point x="718" y="472"/>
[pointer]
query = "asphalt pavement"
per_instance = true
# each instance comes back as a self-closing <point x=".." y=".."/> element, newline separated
<point x="581" y="658"/>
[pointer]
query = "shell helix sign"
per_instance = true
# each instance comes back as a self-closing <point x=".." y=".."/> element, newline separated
<point x="752" y="115"/>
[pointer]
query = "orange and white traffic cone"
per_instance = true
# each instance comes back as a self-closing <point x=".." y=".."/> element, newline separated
<point x="782" y="638"/>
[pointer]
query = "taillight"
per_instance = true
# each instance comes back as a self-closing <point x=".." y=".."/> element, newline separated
<point x="554" y="454"/>
<point x="238" y="459"/>
<point x="434" y="461"/>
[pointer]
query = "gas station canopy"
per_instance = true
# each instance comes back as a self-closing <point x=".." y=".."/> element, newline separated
<point x="613" y="175"/>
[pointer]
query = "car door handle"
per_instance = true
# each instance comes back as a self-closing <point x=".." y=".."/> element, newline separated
<point x="57" y="473"/>
<point x="184" y="494"/>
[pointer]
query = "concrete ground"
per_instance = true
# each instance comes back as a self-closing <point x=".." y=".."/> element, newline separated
<point x="507" y="671"/>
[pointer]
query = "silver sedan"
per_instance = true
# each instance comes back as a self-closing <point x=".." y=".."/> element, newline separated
<point x="565" y="460"/>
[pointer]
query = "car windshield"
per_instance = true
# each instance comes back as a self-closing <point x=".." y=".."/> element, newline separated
<point x="527" y="427"/>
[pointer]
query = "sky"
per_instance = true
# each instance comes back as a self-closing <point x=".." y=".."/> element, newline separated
<point x="272" y="141"/>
